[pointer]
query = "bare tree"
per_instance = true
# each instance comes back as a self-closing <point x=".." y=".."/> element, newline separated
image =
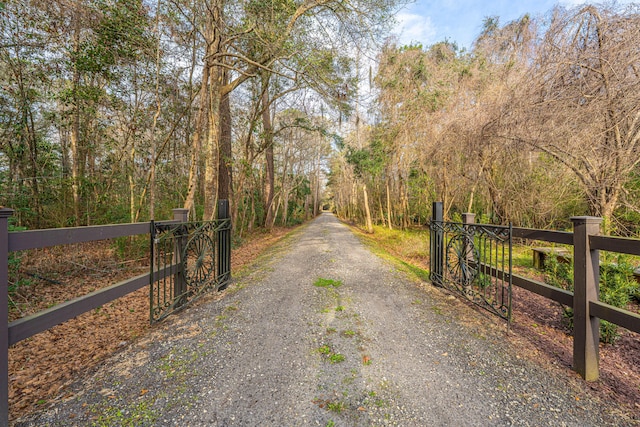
<point x="581" y="101"/>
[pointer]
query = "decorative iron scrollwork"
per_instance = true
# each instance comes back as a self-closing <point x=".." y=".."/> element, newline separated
<point x="474" y="260"/>
<point x="462" y="259"/>
<point x="188" y="260"/>
<point x="198" y="261"/>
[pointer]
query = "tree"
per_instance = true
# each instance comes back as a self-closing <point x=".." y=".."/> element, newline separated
<point x="581" y="103"/>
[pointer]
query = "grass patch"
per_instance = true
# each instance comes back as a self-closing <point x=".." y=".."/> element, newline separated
<point x="336" y="407"/>
<point x="327" y="283"/>
<point x="336" y="358"/>
<point x="407" y="248"/>
<point x="325" y="350"/>
<point x="138" y="414"/>
<point x="521" y="256"/>
<point x="330" y="355"/>
<point x="406" y="244"/>
<point x="419" y="272"/>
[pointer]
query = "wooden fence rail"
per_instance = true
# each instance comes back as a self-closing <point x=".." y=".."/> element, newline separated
<point x="587" y="308"/>
<point x="28" y="326"/>
<point x="584" y="300"/>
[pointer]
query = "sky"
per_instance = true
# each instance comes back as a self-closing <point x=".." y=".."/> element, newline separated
<point x="460" y="21"/>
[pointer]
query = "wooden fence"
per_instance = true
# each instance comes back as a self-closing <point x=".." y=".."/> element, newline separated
<point x="588" y="310"/>
<point x="30" y="325"/>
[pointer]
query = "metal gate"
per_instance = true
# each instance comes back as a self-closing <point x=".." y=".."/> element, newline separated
<point x="473" y="260"/>
<point x="187" y="260"/>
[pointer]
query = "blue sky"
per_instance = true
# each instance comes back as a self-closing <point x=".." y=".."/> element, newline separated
<point x="431" y="21"/>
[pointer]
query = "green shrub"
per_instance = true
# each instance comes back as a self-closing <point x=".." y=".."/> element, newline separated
<point x="617" y="287"/>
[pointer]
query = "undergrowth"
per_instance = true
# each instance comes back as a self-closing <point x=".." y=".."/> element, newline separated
<point x="617" y="287"/>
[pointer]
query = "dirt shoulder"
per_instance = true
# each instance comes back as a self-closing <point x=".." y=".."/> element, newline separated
<point x="364" y="346"/>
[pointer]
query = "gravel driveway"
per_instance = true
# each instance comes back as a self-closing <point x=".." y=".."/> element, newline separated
<point x="370" y="347"/>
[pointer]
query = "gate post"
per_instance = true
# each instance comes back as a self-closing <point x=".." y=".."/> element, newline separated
<point x="224" y="245"/>
<point x="468" y="218"/>
<point x="4" y="315"/>
<point x="179" y="283"/>
<point x="586" y="286"/>
<point x="436" y="257"/>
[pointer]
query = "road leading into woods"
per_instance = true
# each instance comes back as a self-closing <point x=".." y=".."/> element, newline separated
<point x="277" y="350"/>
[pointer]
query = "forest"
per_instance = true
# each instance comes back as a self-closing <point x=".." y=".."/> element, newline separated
<point x="118" y="111"/>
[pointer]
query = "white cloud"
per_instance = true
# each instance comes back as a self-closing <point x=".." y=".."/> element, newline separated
<point x="412" y="27"/>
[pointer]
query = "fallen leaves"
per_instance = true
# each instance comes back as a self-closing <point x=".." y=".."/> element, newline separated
<point x="40" y="366"/>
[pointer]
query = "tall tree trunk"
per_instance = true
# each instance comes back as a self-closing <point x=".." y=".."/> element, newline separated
<point x="215" y="28"/>
<point x="380" y="207"/>
<point x="268" y="152"/>
<point x="285" y="209"/>
<point x="156" y="116"/>
<point x="196" y="145"/>
<point x="366" y="209"/>
<point x="75" y="127"/>
<point x="225" y="177"/>
<point x="132" y="181"/>
<point x="389" y="207"/>
<point x="316" y="201"/>
<point x="211" y="149"/>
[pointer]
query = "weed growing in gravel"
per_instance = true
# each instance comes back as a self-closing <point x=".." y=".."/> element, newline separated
<point x="336" y="358"/>
<point x="331" y="423"/>
<point x="231" y="308"/>
<point x="332" y="357"/>
<point x="325" y="349"/>
<point x="336" y="407"/>
<point x="141" y="413"/>
<point x="348" y="333"/>
<point x="219" y="321"/>
<point x="178" y="362"/>
<point x="340" y="308"/>
<point x="327" y="283"/>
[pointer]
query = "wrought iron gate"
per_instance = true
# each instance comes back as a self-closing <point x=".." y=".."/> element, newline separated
<point x="474" y="260"/>
<point x="187" y="260"/>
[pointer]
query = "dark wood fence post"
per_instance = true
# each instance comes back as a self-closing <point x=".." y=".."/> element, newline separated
<point x="179" y="283"/>
<point x="436" y="257"/>
<point x="4" y="315"/>
<point x="586" y="285"/>
<point x="224" y="246"/>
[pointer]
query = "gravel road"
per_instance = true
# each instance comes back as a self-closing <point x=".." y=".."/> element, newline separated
<point x="371" y="347"/>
